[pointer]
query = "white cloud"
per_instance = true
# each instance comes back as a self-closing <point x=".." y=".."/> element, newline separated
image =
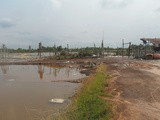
<point x="6" y="23"/>
<point x="158" y="9"/>
<point x="84" y="31"/>
<point x="114" y="3"/>
<point x="6" y="19"/>
<point x="56" y="3"/>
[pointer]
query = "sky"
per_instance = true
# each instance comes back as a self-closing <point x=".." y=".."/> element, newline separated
<point x="79" y="23"/>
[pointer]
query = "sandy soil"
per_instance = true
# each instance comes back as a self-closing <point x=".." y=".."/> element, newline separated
<point x="135" y="88"/>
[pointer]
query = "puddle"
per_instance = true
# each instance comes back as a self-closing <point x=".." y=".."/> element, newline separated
<point x="26" y="89"/>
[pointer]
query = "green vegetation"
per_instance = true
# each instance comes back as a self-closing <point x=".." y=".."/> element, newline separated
<point x="66" y="52"/>
<point x="89" y="103"/>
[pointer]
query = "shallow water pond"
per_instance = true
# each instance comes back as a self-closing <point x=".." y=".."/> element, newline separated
<point x="25" y="90"/>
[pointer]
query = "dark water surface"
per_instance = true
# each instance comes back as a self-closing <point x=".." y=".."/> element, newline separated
<point x="25" y="90"/>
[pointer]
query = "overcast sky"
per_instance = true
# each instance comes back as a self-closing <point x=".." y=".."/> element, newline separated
<point x="78" y="23"/>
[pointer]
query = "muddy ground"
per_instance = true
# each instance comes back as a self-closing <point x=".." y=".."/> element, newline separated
<point x="135" y="88"/>
<point x="134" y="85"/>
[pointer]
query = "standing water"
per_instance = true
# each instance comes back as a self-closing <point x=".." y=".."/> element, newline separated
<point x="25" y="90"/>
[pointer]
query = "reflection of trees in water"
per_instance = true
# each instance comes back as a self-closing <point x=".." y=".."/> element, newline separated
<point x="3" y="51"/>
<point x="56" y="71"/>
<point x="60" y="72"/>
<point x="70" y="71"/>
<point x="67" y="71"/>
<point x="40" y="71"/>
<point x="4" y="68"/>
<point x="77" y="69"/>
<point x="50" y="70"/>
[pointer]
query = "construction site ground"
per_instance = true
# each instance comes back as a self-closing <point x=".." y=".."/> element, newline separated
<point x="134" y="85"/>
<point x="135" y="88"/>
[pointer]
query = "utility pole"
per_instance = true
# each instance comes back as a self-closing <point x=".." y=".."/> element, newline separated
<point x="30" y="48"/>
<point x="129" y="50"/>
<point x="67" y="51"/>
<point x="102" y="46"/>
<point x="40" y="49"/>
<point x="145" y="50"/>
<point x="122" y="47"/>
<point x="68" y="48"/>
<point x="94" y="45"/>
<point x="55" y="49"/>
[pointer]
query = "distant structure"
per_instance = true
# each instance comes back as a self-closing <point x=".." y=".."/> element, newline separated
<point x="30" y="48"/>
<point x="154" y="41"/>
<point x="67" y="49"/>
<point x="154" y="51"/>
<point x="40" y="50"/>
<point x="129" y="48"/>
<point x="67" y="46"/>
<point x="94" y="45"/>
<point x="55" y="49"/>
<point x="102" y="45"/>
<point x="150" y="49"/>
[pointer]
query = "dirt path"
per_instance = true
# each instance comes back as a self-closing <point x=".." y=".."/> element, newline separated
<point x="135" y="86"/>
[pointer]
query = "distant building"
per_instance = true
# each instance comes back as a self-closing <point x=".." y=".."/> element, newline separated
<point x="155" y="54"/>
<point x="154" y="41"/>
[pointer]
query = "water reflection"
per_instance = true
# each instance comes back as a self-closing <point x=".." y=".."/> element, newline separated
<point x="66" y="73"/>
<point x="40" y="71"/>
<point x="45" y="73"/>
<point x="55" y="72"/>
<point x="4" y="69"/>
<point x="26" y="89"/>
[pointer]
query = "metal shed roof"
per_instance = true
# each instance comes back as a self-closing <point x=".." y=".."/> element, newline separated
<point x="151" y="40"/>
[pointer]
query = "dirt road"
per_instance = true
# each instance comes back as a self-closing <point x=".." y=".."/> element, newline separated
<point x="135" y="87"/>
